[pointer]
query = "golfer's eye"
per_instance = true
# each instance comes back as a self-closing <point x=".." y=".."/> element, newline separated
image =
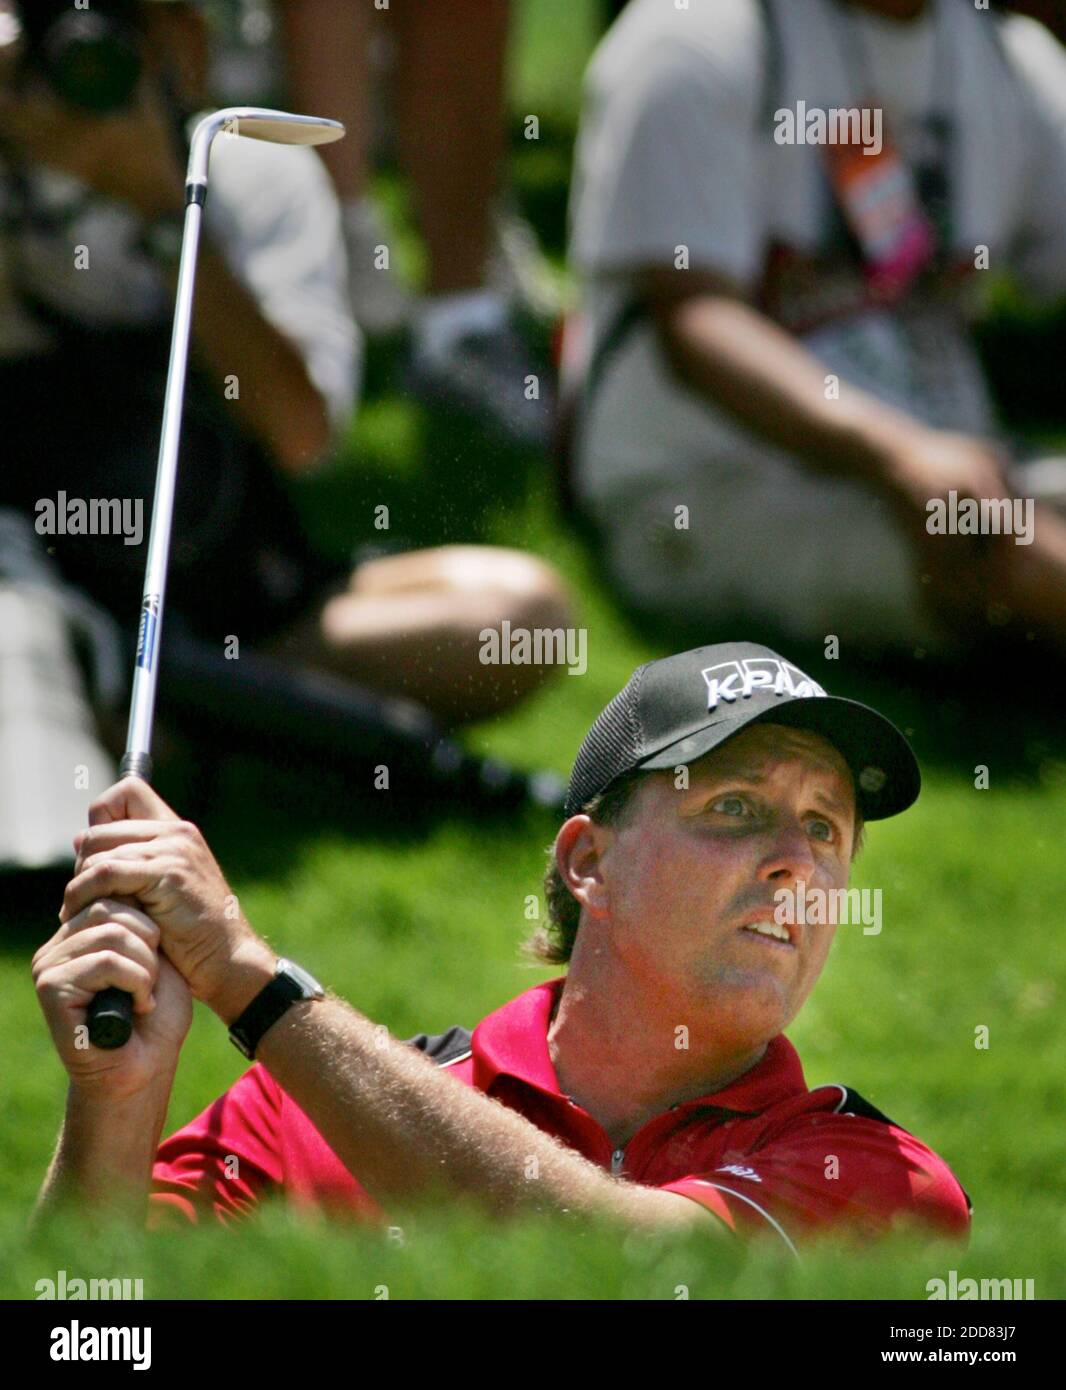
<point x="821" y="829"/>
<point x="730" y="806"/>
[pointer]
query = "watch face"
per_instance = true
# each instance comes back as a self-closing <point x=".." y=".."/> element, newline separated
<point x="290" y="984"/>
<point x="308" y="984"/>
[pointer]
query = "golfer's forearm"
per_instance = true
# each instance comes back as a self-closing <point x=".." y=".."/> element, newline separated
<point x="103" y="1159"/>
<point x="402" y="1126"/>
<point x="275" y="398"/>
<point x="745" y="363"/>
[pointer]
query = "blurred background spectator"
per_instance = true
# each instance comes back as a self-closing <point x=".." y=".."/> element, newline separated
<point x="694" y="389"/>
<point x="91" y="200"/>
<point x="428" y="87"/>
<point x="770" y="387"/>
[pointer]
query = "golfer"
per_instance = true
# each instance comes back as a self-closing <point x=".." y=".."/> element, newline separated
<point x="652" y="1084"/>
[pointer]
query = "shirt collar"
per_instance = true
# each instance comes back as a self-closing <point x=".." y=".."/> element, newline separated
<point x="513" y="1041"/>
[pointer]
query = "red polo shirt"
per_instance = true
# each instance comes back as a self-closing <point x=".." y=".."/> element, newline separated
<point x="763" y="1155"/>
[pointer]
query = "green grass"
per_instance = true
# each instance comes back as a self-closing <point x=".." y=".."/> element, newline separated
<point x="421" y="931"/>
<point x="418" y="920"/>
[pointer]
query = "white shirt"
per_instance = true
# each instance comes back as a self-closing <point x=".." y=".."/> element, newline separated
<point x="676" y="150"/>
<point x="272" y="215"/>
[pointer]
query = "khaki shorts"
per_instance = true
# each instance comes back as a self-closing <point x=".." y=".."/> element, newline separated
<point x="770" y="543"/>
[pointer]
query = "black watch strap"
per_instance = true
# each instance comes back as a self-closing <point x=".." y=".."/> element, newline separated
<point x="289" y="985"/>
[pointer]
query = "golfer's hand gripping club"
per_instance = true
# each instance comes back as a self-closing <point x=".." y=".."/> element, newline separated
<point x="110" y="1013"/>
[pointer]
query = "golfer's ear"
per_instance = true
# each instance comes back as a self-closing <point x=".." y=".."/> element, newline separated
<point x="130" y="799"/>
<point x="579" y="848"/>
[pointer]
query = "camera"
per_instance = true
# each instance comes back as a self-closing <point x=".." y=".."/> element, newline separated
<point x="89" y="57"/>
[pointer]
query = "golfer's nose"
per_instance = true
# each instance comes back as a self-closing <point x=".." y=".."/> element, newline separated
<point x="790" y="858"/>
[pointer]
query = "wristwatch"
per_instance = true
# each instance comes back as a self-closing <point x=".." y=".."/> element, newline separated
<point x="289" y="985"/>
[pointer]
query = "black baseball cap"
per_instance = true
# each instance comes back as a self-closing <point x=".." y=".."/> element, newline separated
<point x="675" y="710"/>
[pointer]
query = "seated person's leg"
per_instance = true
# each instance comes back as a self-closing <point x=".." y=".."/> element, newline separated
<point x="811" y="557"/>
<point x="410" y="625"/>
<point x="770" y="544"/>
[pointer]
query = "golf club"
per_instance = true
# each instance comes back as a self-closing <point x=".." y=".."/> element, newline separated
<point x="110" y="1014"/>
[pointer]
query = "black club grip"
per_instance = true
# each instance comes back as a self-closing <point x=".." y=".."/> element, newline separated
<point x="110" y="1018"/>
<point x="110" y="1012"/>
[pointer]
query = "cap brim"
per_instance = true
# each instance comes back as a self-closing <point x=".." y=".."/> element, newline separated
<point x="885" y="770"/>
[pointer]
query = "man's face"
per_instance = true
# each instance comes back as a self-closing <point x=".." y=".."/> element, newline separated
<point x="691" y="869"/>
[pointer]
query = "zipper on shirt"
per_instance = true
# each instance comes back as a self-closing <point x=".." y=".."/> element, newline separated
<point x="617" y="1159"/>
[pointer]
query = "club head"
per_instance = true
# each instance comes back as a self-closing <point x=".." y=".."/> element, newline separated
<point x="260" y="123"/>
<point x="282" y="129"/>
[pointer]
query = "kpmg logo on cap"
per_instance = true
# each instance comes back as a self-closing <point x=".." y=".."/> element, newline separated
<point x="731" y="679"/>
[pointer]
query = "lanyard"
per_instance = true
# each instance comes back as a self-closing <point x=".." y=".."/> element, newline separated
<point x="930" y="162"/>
